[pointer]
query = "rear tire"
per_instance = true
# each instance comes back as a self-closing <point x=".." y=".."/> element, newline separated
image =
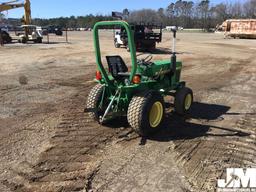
<point x="39" y="40"/>
<point x="23" y="40"/>
<point x="59" y="33"/>
<point x="183" y="100"/>
<point x="146" y="113"/>
<point x="93" y="101"/>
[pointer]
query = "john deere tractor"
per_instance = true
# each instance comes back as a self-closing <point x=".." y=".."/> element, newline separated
<point x="138" y="92"/>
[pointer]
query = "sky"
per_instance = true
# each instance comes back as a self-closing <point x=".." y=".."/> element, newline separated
<point x="57" y="8"/>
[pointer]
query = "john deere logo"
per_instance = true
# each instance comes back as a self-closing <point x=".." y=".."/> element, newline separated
<point x="238" y="180"/>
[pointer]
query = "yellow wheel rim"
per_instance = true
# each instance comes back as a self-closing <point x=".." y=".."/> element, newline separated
<point x="156" y="114"/>
<point x="188" y="101"/>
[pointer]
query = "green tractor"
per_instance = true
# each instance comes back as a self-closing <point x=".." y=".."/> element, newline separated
<point x="137" y="93"/>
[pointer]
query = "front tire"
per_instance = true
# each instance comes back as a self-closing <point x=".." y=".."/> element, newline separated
<point x="39" y="40"/>
<point x="93" y="101"/>
<point x="183" y="100"/>
<point x="6" y="37"/>
<point x="146" y="113"/>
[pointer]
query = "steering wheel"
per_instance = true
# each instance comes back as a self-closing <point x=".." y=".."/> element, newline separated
<point x="145" y="60"/>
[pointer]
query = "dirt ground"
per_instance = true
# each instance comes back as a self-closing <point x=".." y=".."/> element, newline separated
<point x="47" y="142"/>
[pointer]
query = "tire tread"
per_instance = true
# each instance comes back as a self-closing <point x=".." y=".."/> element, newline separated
<point x="93" y="99"/>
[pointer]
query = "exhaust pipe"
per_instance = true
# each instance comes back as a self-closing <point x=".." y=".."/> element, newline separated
<point x="173" y="58"/>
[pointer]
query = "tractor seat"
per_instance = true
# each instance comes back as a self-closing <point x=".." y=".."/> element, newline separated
<point x="117" y="67"/>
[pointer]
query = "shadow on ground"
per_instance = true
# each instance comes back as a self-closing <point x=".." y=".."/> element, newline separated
<point x="162" y="51"/>
<point x="165" y="51"/>
<point x="55" y="42"/>
<point x="177" y="127"/>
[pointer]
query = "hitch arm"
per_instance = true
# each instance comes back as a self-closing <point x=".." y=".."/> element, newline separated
<point x="109" y="107"/>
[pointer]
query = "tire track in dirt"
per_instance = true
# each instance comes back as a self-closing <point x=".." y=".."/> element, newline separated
<point x="209" y="150"/>
<point x="212" y="138"/>
<point x="72" y="156"/>
<point x="130" y="166"/>
<point x="206" y="158"/>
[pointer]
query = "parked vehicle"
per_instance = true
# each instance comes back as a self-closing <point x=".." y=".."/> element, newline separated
<point x="238" y="28"/>
<point x="26" y="19"/>
<point x="169" y="28"/>
<point x="144" y="37"/>
<point x="53" y="29"/>
<point x="33" y="33"/>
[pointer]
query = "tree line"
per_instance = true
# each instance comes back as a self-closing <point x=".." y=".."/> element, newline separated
<point x="202" y="14"/>
<point x="188" y="14"/>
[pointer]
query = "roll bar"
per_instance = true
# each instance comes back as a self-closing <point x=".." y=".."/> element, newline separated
<point x="101" y="25"/>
